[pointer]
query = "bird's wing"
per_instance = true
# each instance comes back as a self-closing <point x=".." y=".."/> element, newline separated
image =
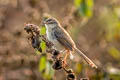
<point x="64" y="38"/>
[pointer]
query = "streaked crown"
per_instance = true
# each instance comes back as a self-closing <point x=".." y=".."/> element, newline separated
<point x="50" y="21"/>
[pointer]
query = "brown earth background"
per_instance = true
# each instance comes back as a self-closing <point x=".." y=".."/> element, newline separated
<point x="18" y="60"/>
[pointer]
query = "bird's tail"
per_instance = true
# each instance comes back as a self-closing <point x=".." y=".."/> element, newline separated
<point x="85" y="58"/>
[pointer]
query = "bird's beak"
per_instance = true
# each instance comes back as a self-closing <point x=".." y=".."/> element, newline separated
<point x="44" y="22"/>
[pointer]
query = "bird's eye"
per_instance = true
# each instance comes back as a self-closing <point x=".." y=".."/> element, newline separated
<point x="49" y="20"/>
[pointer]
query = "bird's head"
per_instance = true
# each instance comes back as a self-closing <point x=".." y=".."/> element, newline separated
<point x="50" y="22"/>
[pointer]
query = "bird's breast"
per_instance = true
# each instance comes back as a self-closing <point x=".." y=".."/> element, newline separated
<point x="51" y="37"/>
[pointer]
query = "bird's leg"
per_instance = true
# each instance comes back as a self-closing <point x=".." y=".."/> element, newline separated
<point x="65" y="58"/>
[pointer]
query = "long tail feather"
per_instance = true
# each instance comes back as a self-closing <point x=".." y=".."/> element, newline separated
<point x="85" y="58"/>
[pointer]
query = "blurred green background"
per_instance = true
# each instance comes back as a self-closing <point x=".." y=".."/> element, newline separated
<point x="93" y="24"/>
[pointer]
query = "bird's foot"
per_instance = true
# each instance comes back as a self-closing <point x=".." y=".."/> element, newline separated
<point x="64" y="63"/>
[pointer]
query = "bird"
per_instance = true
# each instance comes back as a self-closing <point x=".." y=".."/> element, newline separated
<point x="61" y="39"/>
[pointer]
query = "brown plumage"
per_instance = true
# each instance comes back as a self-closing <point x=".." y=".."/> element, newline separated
<point x="62" y="40"/>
